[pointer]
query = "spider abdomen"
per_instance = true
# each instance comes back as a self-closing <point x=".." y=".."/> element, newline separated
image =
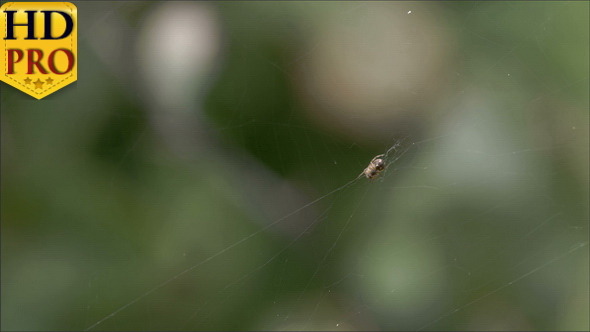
<point x="375" y="167"/>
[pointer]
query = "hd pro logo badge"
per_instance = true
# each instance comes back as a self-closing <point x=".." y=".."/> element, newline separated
<point x="39" y="46"/>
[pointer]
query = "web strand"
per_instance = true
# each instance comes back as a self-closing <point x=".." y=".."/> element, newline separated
<point x="219" y="253"/>
<point x="540" y="267"/>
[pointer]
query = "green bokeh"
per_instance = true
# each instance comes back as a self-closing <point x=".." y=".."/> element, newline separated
<point x="97" y="210"/>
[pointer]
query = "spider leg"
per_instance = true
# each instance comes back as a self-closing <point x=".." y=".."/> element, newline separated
<point x="377" y="157"/>
<point x="395" y="146"/>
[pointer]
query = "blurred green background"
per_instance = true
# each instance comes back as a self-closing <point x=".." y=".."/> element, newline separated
<point x="196" y="177"/>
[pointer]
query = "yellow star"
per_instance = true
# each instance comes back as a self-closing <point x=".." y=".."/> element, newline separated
<point x="49" y="81"/>
<point x="28" y="80"/>
<point x="38" y="84"/>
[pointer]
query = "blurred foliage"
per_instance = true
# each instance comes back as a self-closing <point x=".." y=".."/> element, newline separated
<point x="483" y="225"/>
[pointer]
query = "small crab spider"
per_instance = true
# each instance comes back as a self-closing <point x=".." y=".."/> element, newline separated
<point x="375" y="167"/>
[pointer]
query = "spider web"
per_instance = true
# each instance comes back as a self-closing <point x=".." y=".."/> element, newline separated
<point x="478" y="221"/>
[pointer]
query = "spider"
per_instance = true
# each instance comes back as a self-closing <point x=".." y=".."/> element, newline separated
<point x="375" y="167"/>
<point x="378" y="163"/>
